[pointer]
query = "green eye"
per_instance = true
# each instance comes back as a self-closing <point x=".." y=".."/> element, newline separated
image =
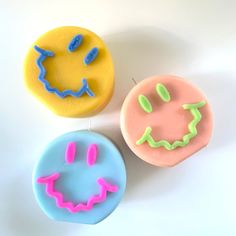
<point x="144" y="103"/>
<point x="163" y="92"/>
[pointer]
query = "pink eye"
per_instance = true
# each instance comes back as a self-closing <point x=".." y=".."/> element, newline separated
<point x="92" y="154"/>
<point x="70" y="152"/>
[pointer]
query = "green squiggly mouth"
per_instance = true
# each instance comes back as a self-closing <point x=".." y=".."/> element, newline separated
<point x="197" y="116"/>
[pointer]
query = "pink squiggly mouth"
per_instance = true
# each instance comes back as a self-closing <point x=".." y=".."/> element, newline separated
<point x="49" y="181"/>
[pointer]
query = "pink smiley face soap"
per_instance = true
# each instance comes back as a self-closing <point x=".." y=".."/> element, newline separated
<point x="165" y="119"/>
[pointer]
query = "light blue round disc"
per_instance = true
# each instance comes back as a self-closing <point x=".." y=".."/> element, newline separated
<point x="78" y="180"/>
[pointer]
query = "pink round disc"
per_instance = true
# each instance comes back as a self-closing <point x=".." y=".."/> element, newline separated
<point x="165" y="119"/>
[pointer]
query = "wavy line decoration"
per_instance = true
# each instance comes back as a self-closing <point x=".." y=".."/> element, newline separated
<point x="49" y="181"/>
<point x="42" y="74"/>
<point x="192" y="128"/>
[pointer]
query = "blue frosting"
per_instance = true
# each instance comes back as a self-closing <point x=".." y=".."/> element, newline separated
<point x="75" y="43"/>
<point x="91" y="56"/>
<point x="78" y="181"/>
<point x="43" y="55"/>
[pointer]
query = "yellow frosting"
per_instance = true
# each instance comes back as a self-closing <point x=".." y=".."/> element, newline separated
<point x="66" y="70"/>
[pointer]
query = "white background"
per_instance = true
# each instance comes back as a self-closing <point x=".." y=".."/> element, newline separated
<point x="195" y="39"/>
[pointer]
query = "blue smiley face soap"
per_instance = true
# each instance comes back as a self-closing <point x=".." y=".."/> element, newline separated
<point x="80" y="178"/>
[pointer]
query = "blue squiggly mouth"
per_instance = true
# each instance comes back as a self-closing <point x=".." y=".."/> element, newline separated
<point x="43" y="55"/>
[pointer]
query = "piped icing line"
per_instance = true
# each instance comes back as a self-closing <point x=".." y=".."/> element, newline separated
<point x="43" y="55"/>
<point x="192" y="128"/>
<point x="49" y="181"/>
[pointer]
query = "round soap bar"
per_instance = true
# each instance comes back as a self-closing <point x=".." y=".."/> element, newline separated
<point x="79" y="178"/>
<point x="165" y="119"/>
<point x="71" y="71"/>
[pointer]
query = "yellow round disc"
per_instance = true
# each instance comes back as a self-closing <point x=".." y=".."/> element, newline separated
<point x="59" y="81"/>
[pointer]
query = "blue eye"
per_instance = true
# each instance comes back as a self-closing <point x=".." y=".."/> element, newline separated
<point x="91" y="56"/>
<point x="75" y="42"/>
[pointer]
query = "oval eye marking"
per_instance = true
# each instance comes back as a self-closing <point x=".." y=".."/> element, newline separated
<point x="91" y="56"/>
<point x="144" y="103"/>
<point x="163" y="92"/>
<point x="92" y="153"/>
<point x="75" y="43"/>
<point x="70" y="152"/>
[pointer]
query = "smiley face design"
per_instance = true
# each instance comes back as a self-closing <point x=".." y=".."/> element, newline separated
<point x="70" y="70"/>
<point x="165" y="119"/>
<point x="79" y="178"/>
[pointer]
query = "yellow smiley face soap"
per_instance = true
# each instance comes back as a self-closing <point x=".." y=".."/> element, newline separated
<point x="70" y="70"/>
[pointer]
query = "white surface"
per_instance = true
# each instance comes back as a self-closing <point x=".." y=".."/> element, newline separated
<point x="193" y="39"/>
